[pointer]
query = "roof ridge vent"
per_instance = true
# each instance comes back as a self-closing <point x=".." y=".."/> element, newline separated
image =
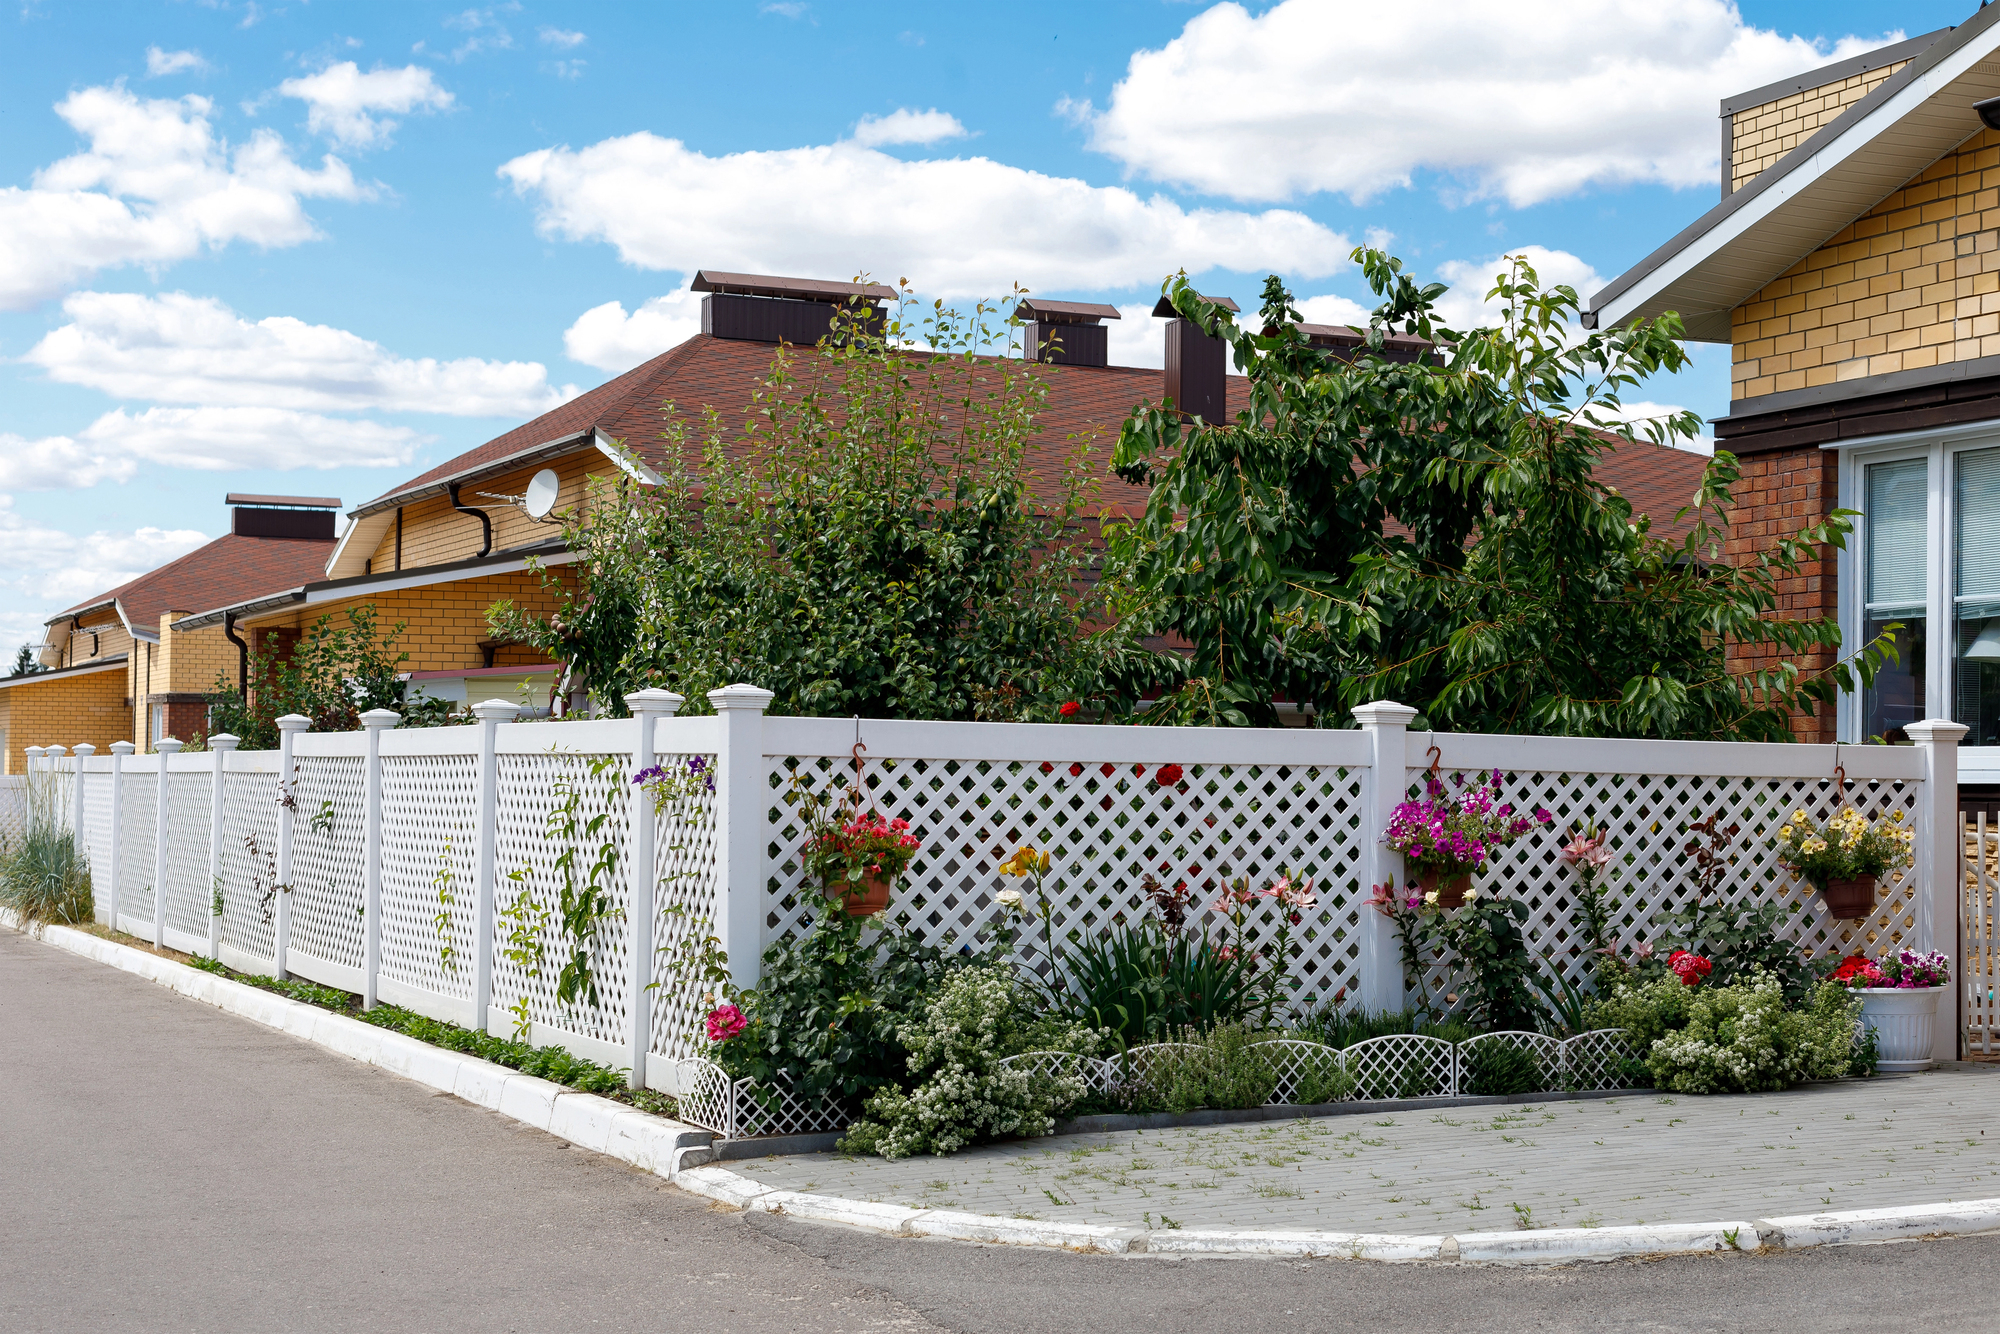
<point x="792" y="289"/>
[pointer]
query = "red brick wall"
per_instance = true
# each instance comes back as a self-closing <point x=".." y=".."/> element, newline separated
<point x="1780" y="493"/>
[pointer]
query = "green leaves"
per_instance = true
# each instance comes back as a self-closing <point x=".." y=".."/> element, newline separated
<point x="1436" y="533"/>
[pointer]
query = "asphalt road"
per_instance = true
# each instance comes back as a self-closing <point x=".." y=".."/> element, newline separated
<point x="169" y="1167"/>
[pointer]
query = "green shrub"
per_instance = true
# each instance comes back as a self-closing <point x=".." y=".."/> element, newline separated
<point x="1501" y="1069"/>
<point x="1742" y="1039"/>
<point x="960" y="1093"/>
<point x="1139" y="983"/>
<point x="1647" y="1011"/>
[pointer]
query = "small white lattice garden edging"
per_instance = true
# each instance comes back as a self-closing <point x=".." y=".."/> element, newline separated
<point x="1397" y="1067"/>
<point x="408" y="865"/>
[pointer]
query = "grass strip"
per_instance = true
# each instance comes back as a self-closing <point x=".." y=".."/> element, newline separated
<point x="555" y="1064"/>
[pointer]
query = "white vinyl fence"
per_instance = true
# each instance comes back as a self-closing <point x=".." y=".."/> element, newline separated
<point x="460" y="871"/>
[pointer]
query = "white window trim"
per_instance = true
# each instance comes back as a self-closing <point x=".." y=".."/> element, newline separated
<point x="1939" y="447"/>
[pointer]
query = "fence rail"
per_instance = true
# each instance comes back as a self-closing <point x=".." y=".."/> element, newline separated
<point x="486" y="874"/>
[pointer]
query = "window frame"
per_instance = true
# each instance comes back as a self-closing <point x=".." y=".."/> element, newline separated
<point x="1941" y="449"/>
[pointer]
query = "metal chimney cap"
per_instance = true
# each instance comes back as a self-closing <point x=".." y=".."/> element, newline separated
<point x="1064" y="312"/>
<point x="798" y="289"/>
<point x="1165" y="309"/>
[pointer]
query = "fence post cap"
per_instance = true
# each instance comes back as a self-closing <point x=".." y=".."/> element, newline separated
<point x="224" y="741"/>
<point x="33" y="752"/>
<point x="53" y="752"/>
<point x="83" y="748"/>
<point x="167" y="745"/>
<point x="294" y="722"/>
<point x="1935" y="729"/>
<point x="495" y="711"/>
<point x="377" y="718"/>
<point x="1384" y="713"/>
<point x="654" y="700"/>
<point x="741" y="696"/>
<point x="122" y="748"/>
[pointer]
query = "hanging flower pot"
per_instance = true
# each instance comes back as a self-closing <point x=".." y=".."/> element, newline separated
<point x="863" y="899"/>
<point x="1450" y="887"/>
<point x="1852" y="898"/>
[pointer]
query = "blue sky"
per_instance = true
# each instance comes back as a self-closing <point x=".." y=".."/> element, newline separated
<point x="316" y="248"/>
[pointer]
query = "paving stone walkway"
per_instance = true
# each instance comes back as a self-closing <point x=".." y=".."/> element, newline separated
<point x="1647" y="1158"/>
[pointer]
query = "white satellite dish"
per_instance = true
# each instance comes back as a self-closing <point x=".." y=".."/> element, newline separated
<point x="541" y="497"/>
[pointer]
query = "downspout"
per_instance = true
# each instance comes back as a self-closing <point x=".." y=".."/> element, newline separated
<point x="242" y="655"/>
<point x="485" y="524"/>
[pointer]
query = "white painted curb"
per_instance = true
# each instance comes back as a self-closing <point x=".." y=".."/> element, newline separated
<point x="655" y="1144"/>
<point x="650" y="1143"/>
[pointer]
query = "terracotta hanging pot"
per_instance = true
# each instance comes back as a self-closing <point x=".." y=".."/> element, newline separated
<point x="1851" y="899"/>
<point x="1450" y="889"/>
<point x="866" y="899"/>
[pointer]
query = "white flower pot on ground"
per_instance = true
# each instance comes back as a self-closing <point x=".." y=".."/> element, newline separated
<point x="1904" y="1020"/>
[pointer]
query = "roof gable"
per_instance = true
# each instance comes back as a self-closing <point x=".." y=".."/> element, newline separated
<point x="1843" y="170"/>
<point x="228" y="570"/>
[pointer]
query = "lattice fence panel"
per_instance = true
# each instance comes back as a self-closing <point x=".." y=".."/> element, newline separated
<point x="686" y="895"/>
<point x="1107" y="827"/>
<point x="135" y="846"/>
<point x="97" y="833"/>
<point x="553" y="806"/>
<point x="249" y="861"/>
<point x="1647" y="818"/>
<point x="329" y="844"/>
<point x="428" y="859"/>
<point x="190" y="811"/>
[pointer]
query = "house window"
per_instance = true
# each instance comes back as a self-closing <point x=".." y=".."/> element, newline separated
<point x="1976" y="595"/>
<point x="159" y="724"/>
<point x="1896" y="589"/>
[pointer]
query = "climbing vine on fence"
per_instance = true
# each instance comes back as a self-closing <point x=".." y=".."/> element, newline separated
<point x="584" y="891"/>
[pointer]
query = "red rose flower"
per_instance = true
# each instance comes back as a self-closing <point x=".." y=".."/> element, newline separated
<point x="1167" y="775"/>
<point x="1108" y="769"/>
<point x="1076" y="771"/>
<point x="1689" y="968"/>
<point x="1070" y="709"/>
<point x="1048" y="768"/>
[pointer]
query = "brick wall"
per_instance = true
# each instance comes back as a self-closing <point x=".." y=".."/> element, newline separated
<point x="1913" y="283"/>
<point x="65" y="711"/>
<point x="436" y="534"/>
<point x="444" y="623"/>
<point x="1780" y="493"/>
<point x="1760" y="135"/>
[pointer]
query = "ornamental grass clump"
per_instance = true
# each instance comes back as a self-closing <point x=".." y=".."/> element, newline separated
<point x="45" y="874"/>
<point x="960" y="1093"/>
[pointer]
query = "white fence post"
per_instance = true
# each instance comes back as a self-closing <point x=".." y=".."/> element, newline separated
<point x="220" y="744"/>
<point x="164" y="749"/>
<point x="119" y="750"/>
<point x="289" y="727"/>
<point x="375" y="720"/>
<point x="648" y="707"/>
<point x="1940" y="852"/>
<point x="34" y="758"/>
<point x="740" y="835"/>
<point x="490" y="714"/>
<point x="1386" y="724"/>
<point x="83" y="750"/>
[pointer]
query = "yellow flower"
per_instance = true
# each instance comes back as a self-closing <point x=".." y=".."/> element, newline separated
<point x="1024" y="861"/>
<point x="1897" y="816"/>
<point x="1798" y="817"/>
<point x="1786" y="832"/>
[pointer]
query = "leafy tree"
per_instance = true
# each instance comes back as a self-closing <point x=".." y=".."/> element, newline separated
<point x="25" y="662"/>
<point x="1515" y="592"/>
<point x="871" y="542"/>
<point x="333" y="675"/>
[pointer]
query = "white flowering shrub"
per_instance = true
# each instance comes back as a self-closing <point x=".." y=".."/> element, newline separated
<point x="1742" y="1039"/>
<point x="959" y="1093"/>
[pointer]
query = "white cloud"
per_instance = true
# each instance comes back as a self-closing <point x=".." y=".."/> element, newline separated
<point x="161" y="63"/>
<point x="488" y="32"/>
<point x="1136" y="338"/>
<point x="609" y="339"/>
<point x="155" y="186"/>
<point x="904" y="126"/>
<point x="567" y="69"/>
<point x="340" y="98"/>
<point x="1527" y="101"/>
<point x="791" y="9"/>
<point x="211" y="439"/>
<point x="1466" y="305"/>
<point x="967" y="226"/>
<point x="178" y="348"/>
<point x="59" y="569"/>
<point x="560" y="40"/>
<point x="1330" y="309"/>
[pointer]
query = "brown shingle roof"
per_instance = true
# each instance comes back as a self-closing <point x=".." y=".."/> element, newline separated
<point x="1083" y="402"/>
<point x="228" y="570"/>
